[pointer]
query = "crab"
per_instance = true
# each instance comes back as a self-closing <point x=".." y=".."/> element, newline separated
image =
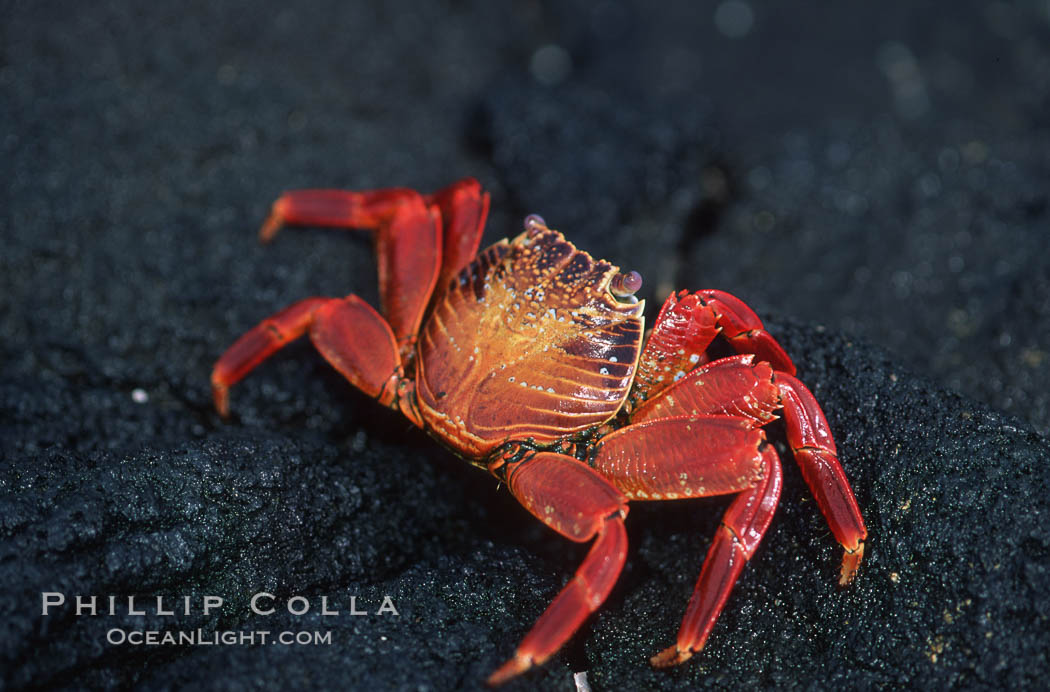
<point x="528" y="360"/>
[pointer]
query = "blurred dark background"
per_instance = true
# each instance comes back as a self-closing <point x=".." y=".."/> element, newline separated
<point x="872" y="178"/>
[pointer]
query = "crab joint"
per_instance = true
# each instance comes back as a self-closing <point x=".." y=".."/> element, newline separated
<point x="625" y="285"/>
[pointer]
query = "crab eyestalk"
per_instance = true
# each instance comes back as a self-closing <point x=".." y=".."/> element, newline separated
<point x="534" y="223"/>
<point x="624" y="286"/>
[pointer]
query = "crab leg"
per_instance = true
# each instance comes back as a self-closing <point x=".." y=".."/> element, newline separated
<point x="464" y="208"/>
<point x="814" y="449"/>
<point x="348" y="332"/>
<point x="742" y="528"/>
<point x="409" y="239"/>
<point x="406" y="240"/>
<point x="684" y="456"/>
<point x="579" y="504"/>
<point x="744" y="329"/>
<point x="742" y="387"/>
<point x="683" y="330"/>
<point x="734" y="386"/>
<point x="695" y="456"/>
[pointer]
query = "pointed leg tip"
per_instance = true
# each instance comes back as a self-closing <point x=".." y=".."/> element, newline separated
<point x="850" y="564"/>
<point x="270" y="227"/>
<point x="671" y="656"/>
<point x="221" y="397"/>
<point x="512" y="668"/>
<point x="274" y="221"/>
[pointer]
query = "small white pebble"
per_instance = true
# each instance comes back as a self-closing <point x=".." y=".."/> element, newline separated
<point x="139" y="395"/>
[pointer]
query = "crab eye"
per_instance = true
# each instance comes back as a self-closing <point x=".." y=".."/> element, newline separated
<point x="534" y="222"/>
<point x="624" y="286"/>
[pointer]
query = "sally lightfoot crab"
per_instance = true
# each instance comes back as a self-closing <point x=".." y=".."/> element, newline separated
<point x="528" y="360"/>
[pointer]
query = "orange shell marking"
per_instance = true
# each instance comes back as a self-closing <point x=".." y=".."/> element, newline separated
<point x="527" y="342"/>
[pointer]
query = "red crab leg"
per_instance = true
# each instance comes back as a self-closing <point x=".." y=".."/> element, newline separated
<point x="579" y="504"/>
<point x="693" y="456"/>
<point x="685" y="456"/>
<point x="735" y="386"/>
<point x="682" y="332"/>
<point x="347" y="331"/>
<point x="745" y="331"/>
<point x="411" y="227"/>
<point x="741" y="387"/>
<point x="407" y="241"/>
<point x="464" y="208"/>
<point x="811" y="442"/>
<point x="742" y="528"/>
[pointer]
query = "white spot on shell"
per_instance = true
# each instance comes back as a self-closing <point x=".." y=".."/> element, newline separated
<point x="695" y="358"/>
<point x="612" y="359"/>
<point x="604" y="371"/>
<point x="679" y="375"/>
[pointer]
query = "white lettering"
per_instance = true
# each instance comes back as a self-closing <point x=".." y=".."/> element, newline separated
<point x="212" y="602"/>
<point x="83" y="605"/>
<point x="305" y="606"/>
<point x="160" y="607"/>
<point x="255" y="603"/>
<point x="387" y="607"/>
<point x="51" y="598"/>
<point x="131" y="608"/>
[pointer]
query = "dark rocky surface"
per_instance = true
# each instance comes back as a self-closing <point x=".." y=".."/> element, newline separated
<point x="874" y="181"/>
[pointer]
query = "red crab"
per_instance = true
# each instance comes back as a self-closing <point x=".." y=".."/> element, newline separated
<point x="528" y="360"/>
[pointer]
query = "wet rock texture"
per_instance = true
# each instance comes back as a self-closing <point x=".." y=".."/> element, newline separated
<point x="873" y="180"/>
